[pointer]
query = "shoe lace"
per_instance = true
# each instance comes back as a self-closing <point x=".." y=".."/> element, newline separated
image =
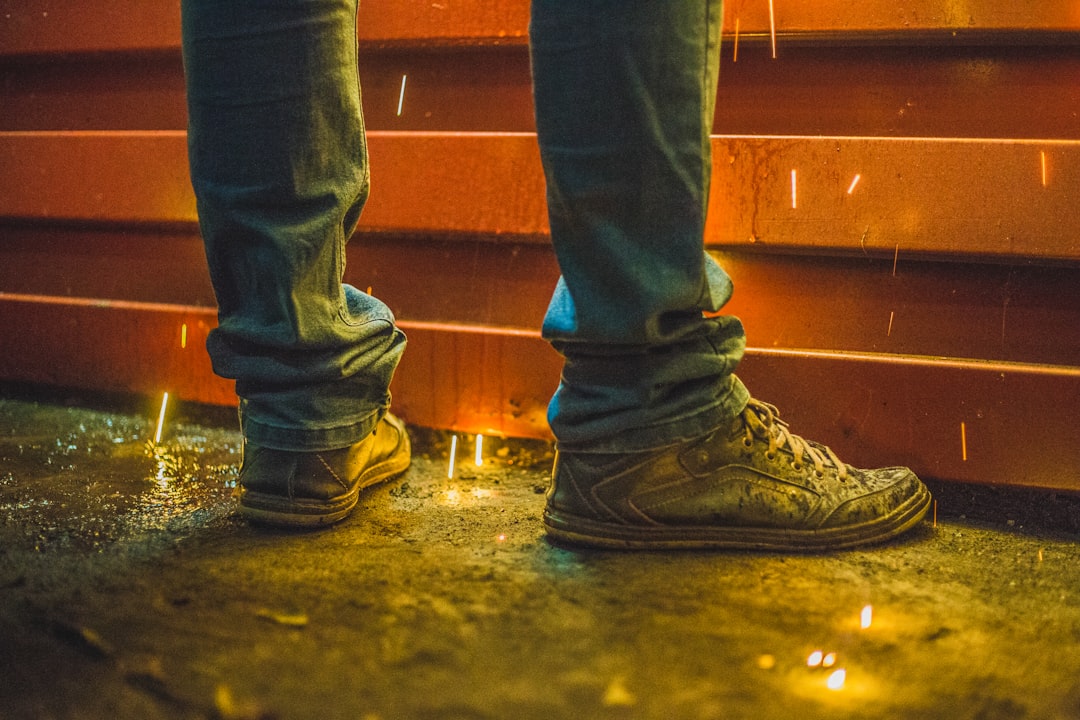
<point x="763" y="419"/>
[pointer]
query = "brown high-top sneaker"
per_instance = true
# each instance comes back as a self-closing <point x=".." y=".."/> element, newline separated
<point x="752" y="484"/>
<point x="308" y="489"/>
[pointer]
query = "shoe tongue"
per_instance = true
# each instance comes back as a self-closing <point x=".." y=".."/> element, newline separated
<point x="758" y="420"/>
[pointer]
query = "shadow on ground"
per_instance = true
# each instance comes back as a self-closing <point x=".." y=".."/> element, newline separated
<point x="129" y="589"/>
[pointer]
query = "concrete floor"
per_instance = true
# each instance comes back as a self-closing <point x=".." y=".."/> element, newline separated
<point x="128" y="589"/>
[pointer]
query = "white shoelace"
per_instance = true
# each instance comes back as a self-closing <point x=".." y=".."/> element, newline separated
<point x="765" y="419"/>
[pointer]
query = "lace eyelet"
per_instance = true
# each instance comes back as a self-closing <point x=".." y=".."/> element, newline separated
<point x="747" y="443"/>
<point x="770" y="456"/>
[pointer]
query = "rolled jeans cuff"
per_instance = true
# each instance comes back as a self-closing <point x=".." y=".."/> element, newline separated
<point x="308" y="439"/>
<point x="729" y="403"/>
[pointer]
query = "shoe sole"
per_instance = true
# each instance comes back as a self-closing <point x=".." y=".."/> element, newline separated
<point x="564" y="528"/>
<point x="268" y="509"/>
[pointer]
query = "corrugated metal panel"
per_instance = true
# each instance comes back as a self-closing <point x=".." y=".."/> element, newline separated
<point x="928" y="315"/>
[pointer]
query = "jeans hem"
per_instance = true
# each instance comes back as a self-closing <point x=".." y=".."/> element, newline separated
<point x="655" y="437"/>
<point x="307" y="439"/>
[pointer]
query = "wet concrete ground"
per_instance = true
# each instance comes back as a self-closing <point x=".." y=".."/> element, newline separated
<point x="128" y="589"/>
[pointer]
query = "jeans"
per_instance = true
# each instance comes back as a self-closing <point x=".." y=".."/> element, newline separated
<point x="624" y="95"/>
<point x="279" y="167"/>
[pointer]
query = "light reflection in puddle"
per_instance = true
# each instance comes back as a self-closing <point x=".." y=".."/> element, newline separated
<point x="74" y="477"/>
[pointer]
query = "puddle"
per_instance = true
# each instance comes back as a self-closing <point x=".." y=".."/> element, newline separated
<point x="84" y="478"/>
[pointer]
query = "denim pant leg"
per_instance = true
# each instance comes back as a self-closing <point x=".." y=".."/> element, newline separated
<point x="625" y="92"/>
<point x="279" y="167"/>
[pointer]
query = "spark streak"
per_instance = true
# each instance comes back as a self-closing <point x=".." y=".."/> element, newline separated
<point x="1042" y="161"/>
<point x="854" y="182"/>
<point x="888" y="333"/>
<point x="183" y="335"/>
<point x="794" y="203"/>
<point x="735" y="52"/>
<point x="479" y="460"/>
<point x="895" y="257"/>
<point x="453" y="454"/>
<point x="401" y="97"/>
<point x="963" y="441"/>
<point x="161" y="418"/>
<point x="772" y="28"/>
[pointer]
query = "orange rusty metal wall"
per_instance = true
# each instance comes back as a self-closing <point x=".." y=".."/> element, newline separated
<point x="926" y="311"/>
<point x="843" y="195"/>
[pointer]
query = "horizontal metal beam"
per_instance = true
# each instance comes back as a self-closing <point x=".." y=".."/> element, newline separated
<point x="951" y="420"/>
<point x="97" y="177"/>
<point x="957" y="92"/>
<point x="1010" y="312"/>
<point x="898" y="197"/>
<point x="929" y="196"/>
<point x="43" y="27"/>
<point x="110" y="345"/>
<point x="889" y="18"/>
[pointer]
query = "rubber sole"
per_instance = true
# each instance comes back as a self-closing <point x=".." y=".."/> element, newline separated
<point x="577" y="531"/>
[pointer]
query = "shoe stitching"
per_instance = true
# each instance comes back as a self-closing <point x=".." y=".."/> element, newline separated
<point x="331" y="471"/>
<point x="592" y="501"/>
<point x="581" y="496"/>
<point x="758" y="479"/>
<point x="640" y="514"/>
